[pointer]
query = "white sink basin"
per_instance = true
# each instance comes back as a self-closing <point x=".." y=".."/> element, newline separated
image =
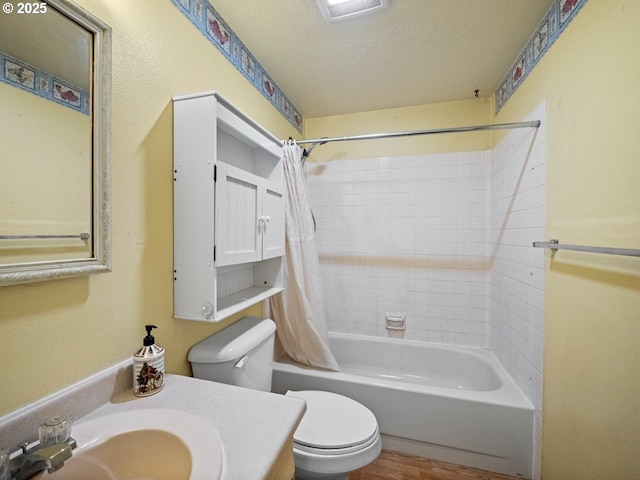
<point x="153" y="444"/>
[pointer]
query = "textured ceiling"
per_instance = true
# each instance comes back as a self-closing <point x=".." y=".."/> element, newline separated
<point x="413" y="53"/>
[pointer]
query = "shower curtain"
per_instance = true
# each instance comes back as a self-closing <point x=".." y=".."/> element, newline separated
<point x="299" y="310"/>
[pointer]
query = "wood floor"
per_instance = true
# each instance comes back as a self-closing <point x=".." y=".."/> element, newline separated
<point x="399" y="466"/>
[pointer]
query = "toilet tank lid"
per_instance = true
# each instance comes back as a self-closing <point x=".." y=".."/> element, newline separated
<point x="232" y="342"/>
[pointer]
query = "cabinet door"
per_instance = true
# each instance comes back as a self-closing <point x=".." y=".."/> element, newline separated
<point x="239" y="208"/>
<point x="272" y="220"/>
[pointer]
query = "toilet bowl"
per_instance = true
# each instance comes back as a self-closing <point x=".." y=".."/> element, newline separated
<point x="336" y="434"/>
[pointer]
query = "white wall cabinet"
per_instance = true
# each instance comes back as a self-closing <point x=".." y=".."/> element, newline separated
<point x="228" y="209"/>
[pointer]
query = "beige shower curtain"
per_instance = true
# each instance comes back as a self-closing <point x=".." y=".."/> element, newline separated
<point x="299" y="311"/>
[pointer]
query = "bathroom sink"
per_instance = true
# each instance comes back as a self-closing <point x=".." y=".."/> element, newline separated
<point x="152" y="444"/>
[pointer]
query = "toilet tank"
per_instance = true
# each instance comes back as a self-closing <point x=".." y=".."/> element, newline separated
<point x="241" y="354"/>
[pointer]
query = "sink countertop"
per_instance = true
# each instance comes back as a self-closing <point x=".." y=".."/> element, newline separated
<point x="254" y="426"/>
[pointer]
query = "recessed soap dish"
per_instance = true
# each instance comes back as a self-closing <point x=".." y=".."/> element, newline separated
<point x="395" y="321"/>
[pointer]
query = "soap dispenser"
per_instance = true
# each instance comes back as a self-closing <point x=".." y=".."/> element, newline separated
<point x="148" y="366"/>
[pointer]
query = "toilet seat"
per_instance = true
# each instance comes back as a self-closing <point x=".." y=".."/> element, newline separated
<point x="333" y="424"/>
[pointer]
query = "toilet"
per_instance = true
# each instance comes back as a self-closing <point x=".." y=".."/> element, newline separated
<point x="336" y="435"/>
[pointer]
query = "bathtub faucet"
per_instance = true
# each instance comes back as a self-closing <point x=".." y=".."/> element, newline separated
<point x="34" y="460"/>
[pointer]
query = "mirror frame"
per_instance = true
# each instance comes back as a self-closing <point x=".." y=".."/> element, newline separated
<point x="100" y="261"/>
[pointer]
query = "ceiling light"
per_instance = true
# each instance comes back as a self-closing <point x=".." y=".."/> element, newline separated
<point x="333" y="10"/>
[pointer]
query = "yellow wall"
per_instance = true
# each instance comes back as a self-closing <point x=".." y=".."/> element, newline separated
<point x="422" y="117"/>
<point x="54" y="334"/>
<point x="590" y="78"/>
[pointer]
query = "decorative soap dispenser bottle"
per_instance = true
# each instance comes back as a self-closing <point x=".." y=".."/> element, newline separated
<point x="148" y="366"/>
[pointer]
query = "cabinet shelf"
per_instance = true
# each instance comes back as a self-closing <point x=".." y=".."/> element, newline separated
<point x="236" y="302"/>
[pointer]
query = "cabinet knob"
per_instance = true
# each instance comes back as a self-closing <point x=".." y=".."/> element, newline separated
<point x="207" y="310"/>
<point x="267" y="218"/>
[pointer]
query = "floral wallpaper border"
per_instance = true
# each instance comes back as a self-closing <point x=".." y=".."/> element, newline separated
<point x="555" y="21"/>
<point x="31" y="79"/>
<point x="214" y="28"/>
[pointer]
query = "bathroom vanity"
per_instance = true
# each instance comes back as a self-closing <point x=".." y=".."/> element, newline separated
<point x="255" y="428"/>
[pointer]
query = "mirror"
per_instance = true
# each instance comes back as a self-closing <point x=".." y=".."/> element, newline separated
<point x="54" y="181"/>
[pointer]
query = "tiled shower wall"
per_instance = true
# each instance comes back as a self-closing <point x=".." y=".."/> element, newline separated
<point x="405" y="235"/>
<point x="517" y="278"/>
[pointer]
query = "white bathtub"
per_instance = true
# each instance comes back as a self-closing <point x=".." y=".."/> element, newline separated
<point x="455" y="404"/>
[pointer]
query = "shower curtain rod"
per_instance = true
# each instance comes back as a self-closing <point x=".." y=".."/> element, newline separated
<point x="373" y="136"/>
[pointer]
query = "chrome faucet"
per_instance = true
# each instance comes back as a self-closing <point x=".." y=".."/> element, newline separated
<point x="36" y="459"/>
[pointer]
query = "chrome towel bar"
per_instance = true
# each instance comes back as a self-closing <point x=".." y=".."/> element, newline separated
<point x="554" y="245"/>
<point x="81" y="236"/>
